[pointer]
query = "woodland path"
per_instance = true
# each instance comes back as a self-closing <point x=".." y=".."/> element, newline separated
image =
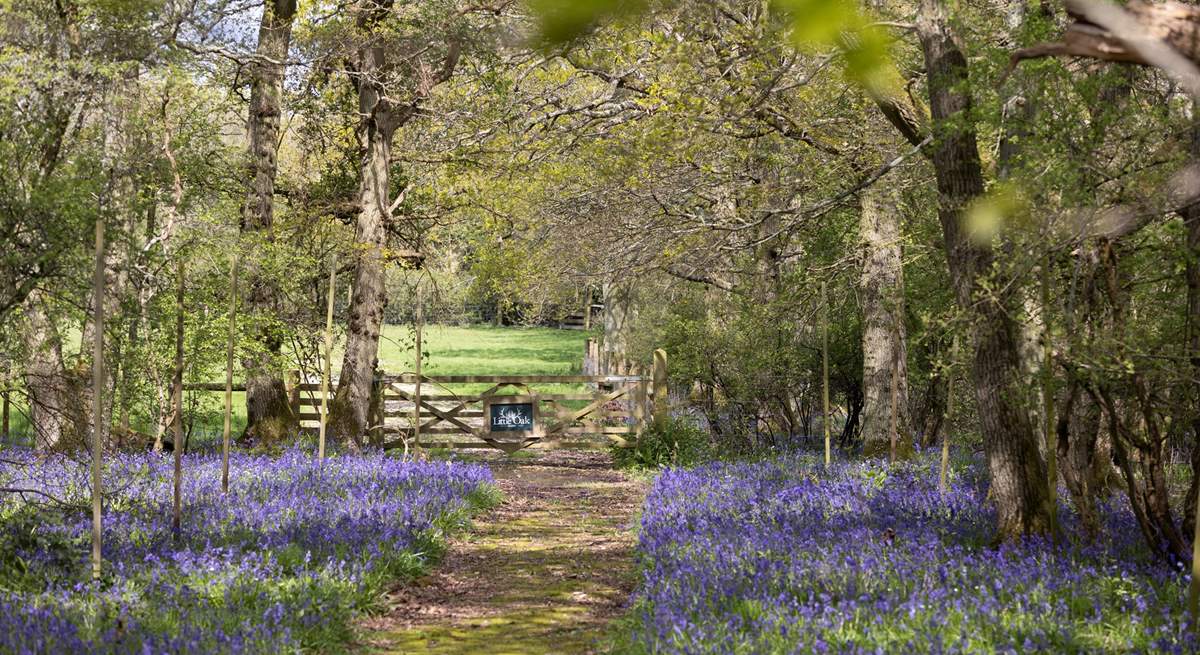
<point x="543" y="572"/>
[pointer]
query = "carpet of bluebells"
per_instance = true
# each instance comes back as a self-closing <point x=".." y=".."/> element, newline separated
<point x="282" y="563"/>
<point x="784" y="557"/>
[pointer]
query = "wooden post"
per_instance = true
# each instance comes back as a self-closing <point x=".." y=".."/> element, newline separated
<point x="638" y="405"/>
<point x="4" y="412"/>
<point x="121" y="385"/>
<point x="375" y="411"/>
<point x="1048" y="398"/>
<point x="177" y="514"/>
<point x="420" y="326"/>
<point x="662" y="401"/>
<point x="892" y="429"/>
<point x="229" y="348"/>
<point x="949" y="373"/>
<point x="1194" y="584"/>
<point x="97" y="399"/>
<point x="825" y="370"/>
<point x="292" y="385"/>
<point x="327" y="371"/>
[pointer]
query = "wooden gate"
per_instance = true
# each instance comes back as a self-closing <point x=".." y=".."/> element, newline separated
<point x="615" y="409"/>
<point x="607" y="408"/>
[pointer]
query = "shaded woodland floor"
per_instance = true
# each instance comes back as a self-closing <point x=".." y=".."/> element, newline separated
<point x="543" y="572"/>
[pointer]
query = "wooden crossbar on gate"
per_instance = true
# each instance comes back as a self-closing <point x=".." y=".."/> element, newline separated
<point x="616" y="408"/>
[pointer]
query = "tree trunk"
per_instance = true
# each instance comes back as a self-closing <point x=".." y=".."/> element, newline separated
<point x="269" y="416"/>
<point x="116" y="209"/>
<point x="620" y="310"/>
<point x="1191" y="221"/>
<point x="351" y="411"/>
<point x="380" y="116"/>
<point x="932" y="412"/>
<point x="884" y="339"/>
<point x="1017" y="471"/>
<point x="1080" y="450"/>
<point x="57" y="402"/>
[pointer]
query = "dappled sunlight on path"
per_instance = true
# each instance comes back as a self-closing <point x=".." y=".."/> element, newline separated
<point x="542" y="573"/>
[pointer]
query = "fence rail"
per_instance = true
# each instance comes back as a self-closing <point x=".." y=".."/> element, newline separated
<point x="612" y="408"/>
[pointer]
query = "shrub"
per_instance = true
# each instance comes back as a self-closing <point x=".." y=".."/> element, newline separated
<point x="672" y="442"/>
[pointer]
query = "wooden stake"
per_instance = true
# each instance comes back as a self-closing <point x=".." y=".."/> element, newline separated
<point x="229" y="348"/>
<point x="1048" y="398"/>
<point x="4" y="412"/>
<point x="420" y="325"/>
<point x="825" y="370"/>
<point x="327" y="371"/>
<point x="177" y="514"/>
<point x="1194" y="585"/>
<point x="892" y="429"/>
<point x="949" y="373"/>
<point x="662" y="407"/>
<point x="97" y="400"/>
<point x="587" y="309"/>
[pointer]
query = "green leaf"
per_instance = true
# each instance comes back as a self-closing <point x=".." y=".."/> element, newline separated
<point x="561" y="21"/>
<point x="819" y="22"/>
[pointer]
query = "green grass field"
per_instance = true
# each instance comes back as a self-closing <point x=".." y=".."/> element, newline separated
<point x="487" y="350"/>
<point x="480" y="350"/>
<point x="484" y="350"/>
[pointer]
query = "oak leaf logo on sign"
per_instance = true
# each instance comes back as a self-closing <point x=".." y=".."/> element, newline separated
<point x="511" y="418"/>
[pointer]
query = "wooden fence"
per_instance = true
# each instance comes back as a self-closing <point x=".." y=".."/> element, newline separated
<point x="607" y="408"/>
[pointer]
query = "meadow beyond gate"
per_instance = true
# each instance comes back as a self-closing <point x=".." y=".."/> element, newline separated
<point x="511" y="413"/>
<point x="613" y="408"/>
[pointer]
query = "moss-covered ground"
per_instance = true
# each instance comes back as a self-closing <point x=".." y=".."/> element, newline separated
<point x="543" y="572"/>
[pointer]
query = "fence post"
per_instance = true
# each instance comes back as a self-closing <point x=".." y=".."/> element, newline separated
<point x="662" y="401"/>
<point x="825" y="370"/>
<point x="419" y="327"/>
<point x="231" y="338"/>
<point x="638" y="402"/>
<point x="4" y="436"/>
<point x="98" y="419"/>
<point x="375" y="412"/>
<point x="177" y="445"/>
<point x="327" y="369"/>
<point x="291" y="385"/>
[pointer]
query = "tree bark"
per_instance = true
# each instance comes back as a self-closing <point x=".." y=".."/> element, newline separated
<point x="931" y="414"/>
<point x="351" y="410"/>
<point x="1017" y="471"/>
<point x="1192" y="221"/>
<point x="380" y="116"/>
<point x="620" y="310"/>
<point x="116" y="208"/>
<point x="269" y="415"/>
<point x="1083" y="456"/>
<point x="884" y="338"/>
<point x="57" y="402"/>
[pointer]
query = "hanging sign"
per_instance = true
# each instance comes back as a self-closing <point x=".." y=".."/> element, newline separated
<point x="511" y="418"/>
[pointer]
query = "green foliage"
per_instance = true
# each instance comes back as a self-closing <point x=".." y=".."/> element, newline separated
<point x="560" y="22"/>
<point x="32" y="529"/>
<point x="673" y="442"/>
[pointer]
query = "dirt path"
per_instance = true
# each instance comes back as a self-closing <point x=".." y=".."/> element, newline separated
<point x="542" y="573"/>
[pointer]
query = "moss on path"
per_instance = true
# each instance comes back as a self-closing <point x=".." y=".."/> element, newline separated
<point x="543" y="572"/>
